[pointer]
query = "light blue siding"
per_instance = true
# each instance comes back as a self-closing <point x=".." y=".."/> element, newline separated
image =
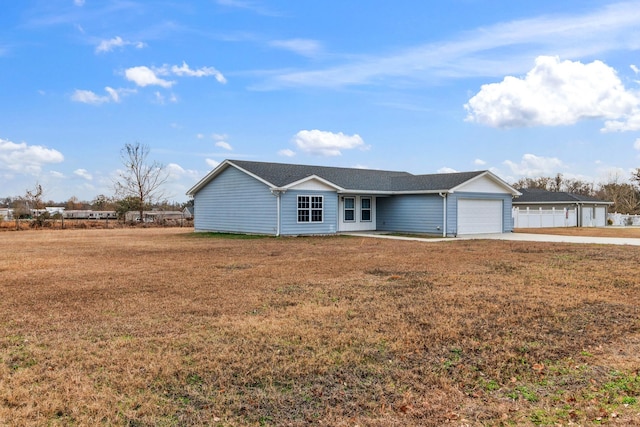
<point x="452" y="209"/>
<point x="235" y="202"/>
<point x="289" y="216"/>
<point x="423" y="213"/>
<point x="419" y="213"/>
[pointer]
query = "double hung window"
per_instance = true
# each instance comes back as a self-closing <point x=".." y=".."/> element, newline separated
<point x="349" y="209"/>
<point x="365" y="209"/>
<point x="310" y="208"/>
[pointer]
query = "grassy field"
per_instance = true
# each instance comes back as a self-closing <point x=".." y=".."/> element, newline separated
<point x="163" y="327"/>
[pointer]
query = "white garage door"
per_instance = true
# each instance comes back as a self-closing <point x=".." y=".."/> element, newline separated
<point x="479" y="216"/>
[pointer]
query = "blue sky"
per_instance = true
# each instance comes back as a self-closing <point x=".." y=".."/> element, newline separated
<point x="523" y="89"/>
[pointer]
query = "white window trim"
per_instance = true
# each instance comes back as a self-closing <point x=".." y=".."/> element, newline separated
<point x="310" y="209"/>
<point x="370" y="209"/>
<point x="345" y="209"/>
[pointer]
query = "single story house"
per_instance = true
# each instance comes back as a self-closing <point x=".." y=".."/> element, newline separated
<point x="6" y="214"/>
<point x="537" y="208"/>
<point x="187" y="212"/>
<point x="154" y="216"/>
<point x="287" y="199"/>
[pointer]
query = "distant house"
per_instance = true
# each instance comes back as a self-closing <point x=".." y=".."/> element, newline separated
<point x="154" y="216"/>
<point x="289" y="199"/>
<point x="187" y="212"/>
<point x="537" y="208"/>
<point x="6" y="214"/>
<point x="54" y="210"/>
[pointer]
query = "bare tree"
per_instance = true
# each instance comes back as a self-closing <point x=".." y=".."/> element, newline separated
<point x="625" y="196"/>
<point x="34" y="197"/>
<point x="577" y="186"/>
<point x="635" y="176"/>
<point x="102" y="202"/>
<point x="35" y="205"/>
<point x="140" y="180"/>
<point x="542" y="183"/>
<point x="73" y="203"/>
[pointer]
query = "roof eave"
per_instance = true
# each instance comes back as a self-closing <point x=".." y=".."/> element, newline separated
<point x="557" y="202"/>
<point x="391" y="192"/>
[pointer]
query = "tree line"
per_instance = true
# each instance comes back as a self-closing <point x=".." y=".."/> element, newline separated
<point x="624" y="195"/>
<point x="138" y="187"/>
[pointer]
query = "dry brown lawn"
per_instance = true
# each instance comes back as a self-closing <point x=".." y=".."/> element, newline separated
<point x="163" y="327"/>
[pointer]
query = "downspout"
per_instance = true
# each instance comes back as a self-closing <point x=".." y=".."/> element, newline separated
<point x="278" y="210"/>
<point x="444" y="213"/>
<point x="278" y="193"/>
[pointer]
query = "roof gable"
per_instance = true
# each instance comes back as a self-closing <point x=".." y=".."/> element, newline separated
<point x="486" y="182"/>
<point x="313" y="182"/>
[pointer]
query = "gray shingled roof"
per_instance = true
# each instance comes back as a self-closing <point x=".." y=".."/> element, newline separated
<point x="280" y="175"/>
<point x="535" y="195"/>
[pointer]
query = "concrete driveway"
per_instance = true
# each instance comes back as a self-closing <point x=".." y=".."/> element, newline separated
<point x="524" y="237"/>
<point x="521" y="237"/>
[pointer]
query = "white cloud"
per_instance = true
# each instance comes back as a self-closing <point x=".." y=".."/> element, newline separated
<point x="83" y="173"/>
<point x="495" y="50"/>
<point x="634" y="68"/>
<point x="113" y="94"/>
<point x="286" y="153"/>
<point x="89" y="97"/>
<point x="629" y="123"/>
<point x="159" y="97"/>
<point x="326" y="143"/>
<point x="636" y="144"/>
<point x="24" y="158"/>
<point x="145" y="76"/>
<point x="109" y="45"/>
<point x="535" y="166"/>
<point x="79" y="3"/>
<point x="117" y="94"/>
<point x="212" y="163"/>
<point x="200" y="135"/>
<point x="247" y="5"/>
<point x="479" y="162"/>
<point x="219" y="136"/>
<point x="184" y="70"/>
<point x="553" y="93"/>
<point x="225" y="145"/>
<point x="446" y="170"/>
<point x="607" y="174"/>
<point x="56" y="174"/>
<point x="177" y="172"/>
<point x="304" y="47"/>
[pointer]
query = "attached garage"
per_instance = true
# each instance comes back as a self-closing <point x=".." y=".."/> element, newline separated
<point x="480" y="216"/>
